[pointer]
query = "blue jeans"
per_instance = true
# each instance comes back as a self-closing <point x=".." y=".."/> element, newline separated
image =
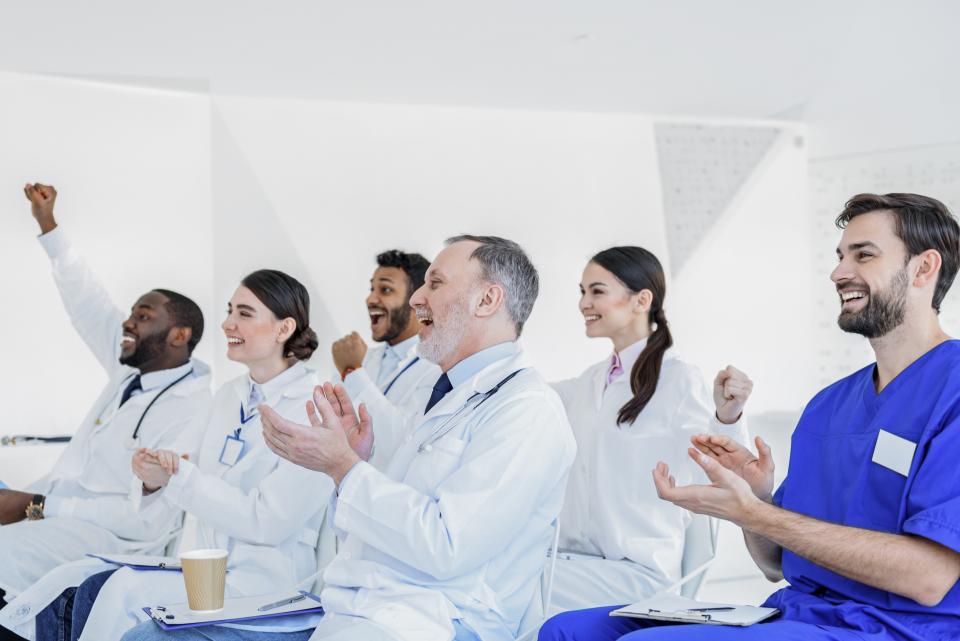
<point x="63" y="620"/>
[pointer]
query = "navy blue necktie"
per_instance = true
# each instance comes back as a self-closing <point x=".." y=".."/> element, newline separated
<point x="440" y="389"/>
<point x="131" y="388"/>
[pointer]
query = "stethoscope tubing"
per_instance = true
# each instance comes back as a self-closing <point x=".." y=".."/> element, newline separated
<point x="446" y="426"/>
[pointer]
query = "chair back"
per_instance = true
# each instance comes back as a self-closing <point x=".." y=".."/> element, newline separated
<point x="536" y="613"/>
<point x="699" y="550"/>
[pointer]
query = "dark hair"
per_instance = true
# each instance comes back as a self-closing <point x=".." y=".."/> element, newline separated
<point x="505" y="263"/>
<point x="286" y="297"/>
<point x="414" y="266"/>
<point x="922" y="223"/>
<point x="639" y="269"/>
<point x="184" y="313"/>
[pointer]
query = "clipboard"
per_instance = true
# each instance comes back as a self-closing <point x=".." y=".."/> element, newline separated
<point x="241" y="610"/>
<point x="141" y="562"/>
<point x="677" y="609"/>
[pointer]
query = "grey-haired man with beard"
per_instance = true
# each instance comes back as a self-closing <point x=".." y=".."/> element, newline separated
<point x="154" y="390"/>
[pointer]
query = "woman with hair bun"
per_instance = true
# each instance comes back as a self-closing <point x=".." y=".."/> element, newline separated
<point x="641" y="405"/>
<point x="237" y="494"/>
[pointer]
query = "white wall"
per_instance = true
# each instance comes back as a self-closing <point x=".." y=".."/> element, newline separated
<point x="133" y="170"/>
<point x="344" y="181"/>
<point x="193" y="191"/>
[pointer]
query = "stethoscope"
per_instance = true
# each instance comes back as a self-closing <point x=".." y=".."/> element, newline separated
<point x="386" y="390"/>
<point x="475" y="401"/>
<point x="133" y="440"/>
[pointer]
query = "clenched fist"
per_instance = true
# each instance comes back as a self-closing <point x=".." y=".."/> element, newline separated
<point x="348" y="353"/>
<point x="42" y="199"/>
<point x="731" y="389"/>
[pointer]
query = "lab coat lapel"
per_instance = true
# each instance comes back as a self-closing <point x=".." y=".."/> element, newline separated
<point x="373" y="360"/>
<point x="599" y="383"/>
<point x="241" y="393"/>
<point x="481" y="382"/>
<point x="252" y="433"/>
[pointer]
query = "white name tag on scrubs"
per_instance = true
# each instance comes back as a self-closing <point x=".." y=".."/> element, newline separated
<point x="894" y="452"/>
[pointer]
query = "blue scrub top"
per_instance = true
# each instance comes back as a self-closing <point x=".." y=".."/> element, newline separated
<point x="832" y="477"/>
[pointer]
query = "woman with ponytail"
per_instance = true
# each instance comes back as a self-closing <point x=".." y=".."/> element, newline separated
<point x="619" y="541"/>
<point x="236" y="493"/>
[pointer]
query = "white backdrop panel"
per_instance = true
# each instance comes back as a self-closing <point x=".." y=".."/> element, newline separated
<point x="348" y="180"/>
<point x="132" y="169"/>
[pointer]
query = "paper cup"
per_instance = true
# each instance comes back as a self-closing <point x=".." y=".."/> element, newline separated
<point x="204" y="574"/>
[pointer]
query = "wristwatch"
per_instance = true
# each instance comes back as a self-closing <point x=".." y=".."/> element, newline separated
<point x="35" y="507"/>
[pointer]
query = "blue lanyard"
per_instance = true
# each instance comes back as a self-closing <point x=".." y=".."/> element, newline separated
<point x="386" y="390"/>
<point x="244" y="419"/>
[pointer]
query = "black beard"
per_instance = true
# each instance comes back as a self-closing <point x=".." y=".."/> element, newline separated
<point x="884" y="311"/>
<point x="150" y="348"/>
<point x="399" y="319"/>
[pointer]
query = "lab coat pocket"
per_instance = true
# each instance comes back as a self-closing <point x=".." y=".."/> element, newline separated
<point x="434" y="464"/>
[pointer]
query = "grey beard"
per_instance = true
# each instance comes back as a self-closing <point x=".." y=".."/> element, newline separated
<point x="445" y="338"/>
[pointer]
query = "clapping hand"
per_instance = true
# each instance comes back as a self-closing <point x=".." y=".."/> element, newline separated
<point x="727" y="497"/>
<point x="756" y="471"/>
<point x="155" y="467"/>
<point x="336" y="439"/>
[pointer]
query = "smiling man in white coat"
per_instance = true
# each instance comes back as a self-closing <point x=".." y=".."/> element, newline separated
<point x="154" y="390"/>
<point x="449" y="541"/>
<point x="391" y="379"/>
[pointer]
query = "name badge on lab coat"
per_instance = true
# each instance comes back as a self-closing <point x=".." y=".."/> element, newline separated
<point x="232" y="450"/>
<point x="894" y="452"/>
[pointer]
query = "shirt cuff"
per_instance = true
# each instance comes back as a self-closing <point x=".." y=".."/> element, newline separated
<point x="59" y="506"/>
<point x="736" y="430"/>
<point x="54" y="242"/>
<point x="176" y="487"/>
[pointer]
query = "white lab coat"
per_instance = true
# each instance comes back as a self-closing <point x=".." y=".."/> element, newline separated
<point x="458" y="530"/>
<point x="626" y="542"/>
<point x="266" y="511"/>
<point x="396" y="410"/>
<point x="87" y="505"/>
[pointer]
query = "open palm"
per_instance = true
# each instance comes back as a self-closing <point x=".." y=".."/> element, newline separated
<point x="756" y="471"/>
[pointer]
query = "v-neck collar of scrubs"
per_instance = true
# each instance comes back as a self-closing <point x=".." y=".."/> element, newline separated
<point x="874" y="400"/>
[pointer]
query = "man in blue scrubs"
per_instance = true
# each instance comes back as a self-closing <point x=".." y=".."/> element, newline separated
<point x="866" y="527"/>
